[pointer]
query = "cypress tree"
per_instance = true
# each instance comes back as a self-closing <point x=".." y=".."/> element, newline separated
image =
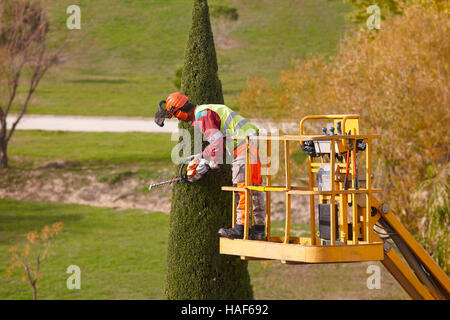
<point x="196" y="270"/>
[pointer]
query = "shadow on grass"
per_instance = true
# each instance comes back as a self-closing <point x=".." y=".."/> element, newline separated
<point x="60" y="164"/>
<point x="17" y="221"/>
<point x="17" y="218"/>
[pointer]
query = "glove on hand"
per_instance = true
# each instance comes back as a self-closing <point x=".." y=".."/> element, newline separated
<point x="197" y="168"/>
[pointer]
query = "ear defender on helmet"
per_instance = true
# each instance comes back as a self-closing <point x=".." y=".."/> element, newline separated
<point x="182" y="113"/>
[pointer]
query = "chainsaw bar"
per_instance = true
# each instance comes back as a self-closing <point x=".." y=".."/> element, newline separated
<point x="160" y="184"/>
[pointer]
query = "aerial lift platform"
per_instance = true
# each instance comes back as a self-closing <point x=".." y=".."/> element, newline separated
<point x="356" y="228"/>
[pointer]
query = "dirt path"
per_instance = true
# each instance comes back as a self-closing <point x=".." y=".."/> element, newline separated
<point x="117" y="124"/>
<point x="91" y="124"/>
<point x="86" y="189"/>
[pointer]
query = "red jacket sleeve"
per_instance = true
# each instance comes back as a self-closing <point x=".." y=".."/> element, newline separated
<point x="209" y="124"/>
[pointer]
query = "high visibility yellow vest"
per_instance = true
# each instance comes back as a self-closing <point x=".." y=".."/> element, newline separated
<point x="231" y="123"/>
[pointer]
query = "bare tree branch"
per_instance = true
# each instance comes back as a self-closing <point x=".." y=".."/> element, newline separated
<point x="23" y="45"/>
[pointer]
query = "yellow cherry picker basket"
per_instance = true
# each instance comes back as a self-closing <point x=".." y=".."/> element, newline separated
<point x="347" y="223"/>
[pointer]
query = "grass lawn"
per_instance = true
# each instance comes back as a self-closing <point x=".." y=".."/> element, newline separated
<point x="111" y="157"/>
<point x="93" y="149"/>
<point x="123" y="60"/>
<point x="122" y="255"/>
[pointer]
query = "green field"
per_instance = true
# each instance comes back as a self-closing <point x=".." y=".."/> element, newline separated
<point x="123" y="60"/>
<point x="122" y="255"/>
<point x="92" y="149"/>
<point x="111" y="157"/>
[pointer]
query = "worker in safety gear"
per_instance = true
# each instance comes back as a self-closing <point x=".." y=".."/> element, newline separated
<point x="216" y="122"/>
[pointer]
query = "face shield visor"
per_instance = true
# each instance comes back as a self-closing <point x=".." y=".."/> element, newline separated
<point x="162" y="114"/>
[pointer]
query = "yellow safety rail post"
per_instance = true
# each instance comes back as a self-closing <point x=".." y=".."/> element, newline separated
<point x="332" y="198"/>
<point x="311" y="203"/>
<point x="269" y="183"/>
<point x="355" y="224"/>
<point x="343" y="206"/>
<point x="288" y="196"/>
<point x="233" y="221"/>
<point x="247" y="183"/>
<point x="368" y="230"/>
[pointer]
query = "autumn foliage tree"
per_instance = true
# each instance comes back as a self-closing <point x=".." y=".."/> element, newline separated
<point x="29" y="257"/>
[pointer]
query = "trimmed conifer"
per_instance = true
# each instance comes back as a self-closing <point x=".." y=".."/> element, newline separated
<point x="196" y="270"/>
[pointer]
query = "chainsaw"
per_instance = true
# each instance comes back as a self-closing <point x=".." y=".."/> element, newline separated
<point x="182" y="177"/>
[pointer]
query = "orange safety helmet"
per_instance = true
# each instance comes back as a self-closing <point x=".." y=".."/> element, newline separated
<point x="177" y="104"/>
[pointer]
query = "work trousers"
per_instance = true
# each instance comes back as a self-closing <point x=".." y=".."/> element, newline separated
<point x="257" y="197"/>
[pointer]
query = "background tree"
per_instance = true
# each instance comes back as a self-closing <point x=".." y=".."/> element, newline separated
<point x="31" y="255"/>
<point x="23" y="51"/>
<point x="196" y="270"/>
